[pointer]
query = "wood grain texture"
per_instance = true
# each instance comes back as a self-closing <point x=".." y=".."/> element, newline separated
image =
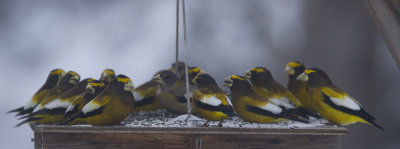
<point x="71" y="137"/>
<point x="387" y="18"/>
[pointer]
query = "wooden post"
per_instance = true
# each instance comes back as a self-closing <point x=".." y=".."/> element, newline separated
<point x="386" y="14"/>
<point x="71" y="137"/>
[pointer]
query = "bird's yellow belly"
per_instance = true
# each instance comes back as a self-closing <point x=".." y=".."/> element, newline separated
<point x="114" y="113"/>
<point x="305" y="100"/>
<point x="50" y="119"/>
<point x="169" y="102"/>
<point x="77" y="121"/>
<point x="211" y="115"/>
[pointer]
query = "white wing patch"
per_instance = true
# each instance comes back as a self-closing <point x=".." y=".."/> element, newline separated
<point x="271" y="108"/>
<point x="346" y="102"/>
<point x="37" y="108"/>
<point x="137" y="96"/>
<point x="214" y="101"/>
<point x="90" y="107"/>
<point x="29" y="105"/>
<point x="283" y="102"/>
<point x="229" y="101"/>
<point x="70" y="108"/>
<point x="57" y="104"/>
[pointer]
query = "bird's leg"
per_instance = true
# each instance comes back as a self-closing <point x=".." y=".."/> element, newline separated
<point x="220" y="123"/>
<point x="206" y="124"/>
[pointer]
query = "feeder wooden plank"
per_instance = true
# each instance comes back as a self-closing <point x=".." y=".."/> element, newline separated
<point x="386" y="14"/>
<point x="71" y="137"/>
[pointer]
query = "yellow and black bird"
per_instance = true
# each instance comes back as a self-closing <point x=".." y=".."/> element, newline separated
<point x="112" y="105"/>
<point x="209" y="101"/>
<point x="145" y="97"/>
<point x="297" y="87"/>
<point x="53" y="112"/>
<point x="332" y="103"/>
<point x="70" y="80"/>
<point x="264" y="84"/>
<point x="170" y="99"/>
<point x="51" y="81"/>
<point x="172" y="90"/>
<point x="253" y="107"/>
<point x="107" y="75"/>
<point x="92" y="89"/>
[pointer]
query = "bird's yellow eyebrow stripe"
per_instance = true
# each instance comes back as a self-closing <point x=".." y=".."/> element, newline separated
<point x="125" y="80"/>
<point x="59" y="71"/>
<point x="91" y="79"/>
<point x="96" y="84"/>
<point x="257" y="69"/>
<point x="73" y="73"/>
<point x="293" y="64"/>
<point x="236" y="77"/>
<point x="308" y="71"/>
<point x="194" y="70"/>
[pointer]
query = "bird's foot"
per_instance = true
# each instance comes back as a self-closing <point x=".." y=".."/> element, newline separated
<point x="206" y="124"/>
<point x="220" y="124"/>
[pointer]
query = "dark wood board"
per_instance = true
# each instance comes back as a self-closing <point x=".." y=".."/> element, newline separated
<point x="71" y="137"/>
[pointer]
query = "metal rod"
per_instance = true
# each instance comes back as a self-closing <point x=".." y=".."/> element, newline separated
<point x="177" y="32"/>
<point x="187" y="95"/>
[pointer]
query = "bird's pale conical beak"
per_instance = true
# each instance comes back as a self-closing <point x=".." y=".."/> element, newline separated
<point x="228" y="82"/>
<point x="289" y="70"/>
<point x="129" y="87"/>
<point x="89" y="88"/>
<point x="157" y="78"/>
<point x="302" y="77"/>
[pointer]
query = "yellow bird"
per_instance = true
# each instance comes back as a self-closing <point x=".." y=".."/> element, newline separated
<point x="107" y="75"/>
<point x="112" y="105"/>
<point x="51" y="81"/>
<point x="171" y="91"/>
<point x="299" y="88"/>
<point x="209" y="101"/>
<point x="264" y="84"/>
<point x="70" y="80"/>
<point x="171" y="100"/>
<point x="91" y="91"/>
<point x="52" y="100"/>
<point x="331" y="102"/>
<point x="53" y="111"/>
<point x="145" y="97"/>
<point x="253" y="107"/>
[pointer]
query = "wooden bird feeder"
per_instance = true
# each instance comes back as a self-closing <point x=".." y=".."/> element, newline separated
<point x="386" y="14"/>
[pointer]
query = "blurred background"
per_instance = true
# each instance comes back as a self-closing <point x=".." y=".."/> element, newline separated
<point x="225" y="37"/>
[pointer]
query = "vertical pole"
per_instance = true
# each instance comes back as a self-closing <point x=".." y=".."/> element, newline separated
<point x="187" y="95"/>
<point x="177" y="32"/>
<point x="387" y="20"/>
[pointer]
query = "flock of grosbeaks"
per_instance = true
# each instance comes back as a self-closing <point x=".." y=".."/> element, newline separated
<point x="255" y="97"/>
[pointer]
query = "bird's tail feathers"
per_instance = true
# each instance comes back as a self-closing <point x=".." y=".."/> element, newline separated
<point x="16" y="110"/>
